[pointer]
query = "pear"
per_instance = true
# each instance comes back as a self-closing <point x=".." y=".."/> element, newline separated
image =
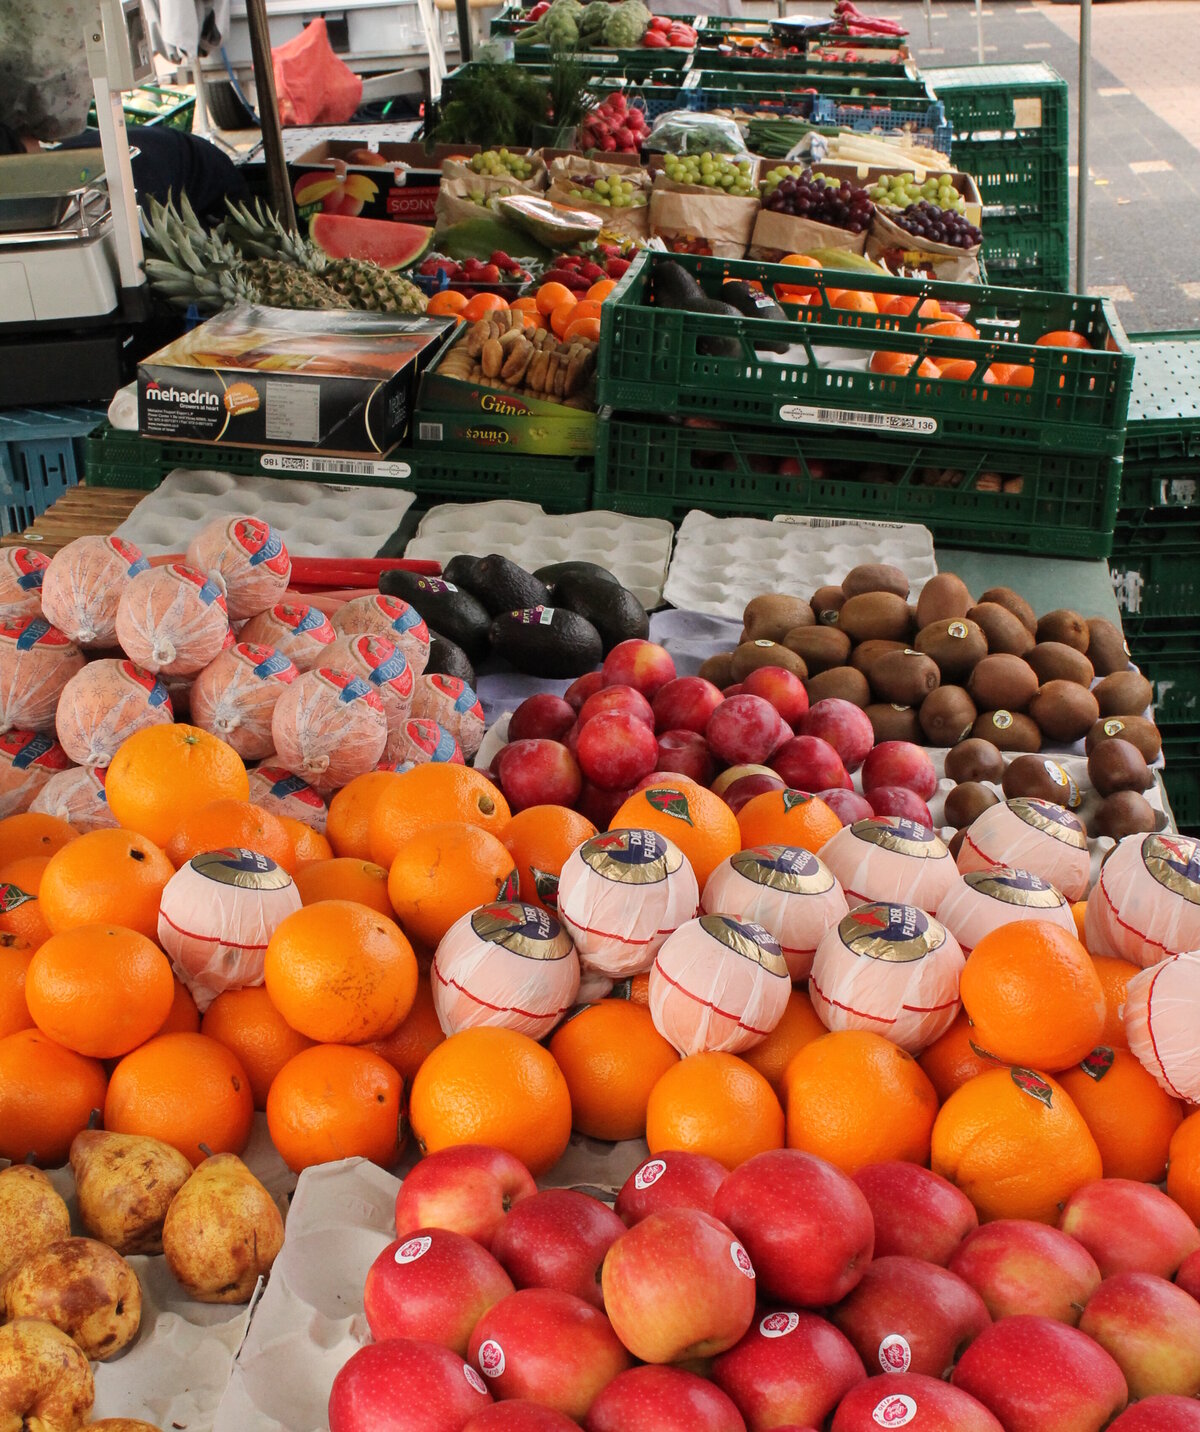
<point x="85" y="1289"/>
<point x="222" y="1231"/>
<point x="31" y="1214"/>
<point x="124" y="1184"/>
<point x="45" y="1381"/>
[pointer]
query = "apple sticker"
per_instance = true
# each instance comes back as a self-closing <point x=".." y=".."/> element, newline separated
<point x="412" y="1249"/>
<point x="895" y="1355"/>
<point x="778" y="1325"/>
<point x="491" y="1358"/>
<point x="896" y="1411"/>
<point x="741" y="1260"/>
<point x="649" y="1174"/>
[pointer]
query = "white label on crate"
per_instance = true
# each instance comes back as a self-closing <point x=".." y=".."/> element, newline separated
<point x="293" y="412"/>
<point x="794" y="519"/>
<point x="338" y="466"/>
<point x="429" y="432"/>
<point x="857" y="418"/>
<point x="1027" y="111"/>
<point x="1177" y="489"/>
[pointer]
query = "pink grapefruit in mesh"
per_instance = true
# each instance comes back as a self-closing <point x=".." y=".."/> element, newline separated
<point x="76" y="796"/>
<point x="28" y="759"/>
<point x="234" y="696"/>
<point x="302" y="633"/>
<point x="172" y="620"/>
<point x="382" y="665"/>
<point x="36" y="662"/>
<point x="418" y="741"/>
<point x="105" y="702"/>
<point x="450" y="702"/>
<point x="283" y="792"/>
<point x="390" y="617"/>
<point x="247" y="559"/>
<point x="21" y="573"/>
<point x="329" y="727"/>
<point x="84" y="584"/>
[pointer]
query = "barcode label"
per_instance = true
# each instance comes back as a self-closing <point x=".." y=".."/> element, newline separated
<point x="797" y="520"/>
<point x="429" y="432"/>
<point x="857" y="418"/>
<point x="338" y="466"/>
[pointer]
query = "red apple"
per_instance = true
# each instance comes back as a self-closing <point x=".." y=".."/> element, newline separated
<point x="617" y="698"/>
<point x="666" y="1399"/>
<point x="1152" y="1330"/>
<point x="520" y="1415"/>
<point x="549" y="1347"/>
<point x="616" y="750"/>
<point x="599" y="805"/>
<point x="685" y="704"/>
<point x="848" y="806"/>
<point x="899" y="763"/>
<point x="468" y="1189"/>
<point x="558" y="1239"/>
<point x="405" y="1386"/>
<point x="735" y="773"/>
<point x="687" y="753"/>
<point x="917" y="1213"/>
<point x="1038" y="1375"/>
<point x="538" y="773"/>
<point x="433" y="1286"/>
<point x="782" y="688"/>
<point x="1188" y="1277"/>
<point x="1129" y="1227"/>
<point x="846" y="727"/>
<point x="900" y="801"/>
<point x="807" y="763"/>
<point x="790" y="1367"/>
<point x="581" y="688"/>
<point x="916" y="1403"/>
<point x="541" y="718"/>
<point x="673" y="1179"/>
<point x="1160" y="1414"/>
<point x="1019" y="1266"/>
<point x="642" y="664"/>
<point x="678" y="1285"/>
<point x="805" y="1224"/>
<point x="744" y="730"/>
<point x="745" y="788"/>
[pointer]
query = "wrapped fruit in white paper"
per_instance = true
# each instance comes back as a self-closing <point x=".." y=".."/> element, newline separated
<point x="506" y="965"/>
<point x="172" y="620"/>
<point x="83" y="586"/>
<point x="28" y="760"/>
<point x="283" y="792"/>
<point x="382" y="665"/>
<point x="247" y="558"/>
<point x="76" y="796"/>
<point x="789" y="891"/>
<point x="22" y="570"/>
<point x="1162" y="1015"/>
<point x="234" y="697"/>
<point x="1026" y="833"/>
<point x="982" y="900"/>
<point x="890" y="969"/>
<point x="390" y="617"/>
<point x="890" y="858"/>
<point x="302" y="633"/>
<point x="1146" y="903"/>
<point x="450" y="702"/>
<point x="36" y="662"/>
<point x="417" y="741"/>
<point x="329" y="727"/>
<point x="105" y="703"/>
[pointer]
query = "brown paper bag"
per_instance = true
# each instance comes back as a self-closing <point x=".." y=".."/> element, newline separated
<point x="701" y="221"/>
<point x="889" y="243"/>
<point x="778" y="234"/>
<point x="454" y="205"/>
<point x="456" y="170"/>
<point x="634" y="222"/>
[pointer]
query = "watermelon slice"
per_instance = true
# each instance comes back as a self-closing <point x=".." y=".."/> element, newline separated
<point x="389" y="244"/>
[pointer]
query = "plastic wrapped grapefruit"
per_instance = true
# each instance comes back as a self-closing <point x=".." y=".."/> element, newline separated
<point x="83" y="586"/>
<point x="172" y="620"/>
<point x="234" y="696"/>
<point x="106" y="702"/>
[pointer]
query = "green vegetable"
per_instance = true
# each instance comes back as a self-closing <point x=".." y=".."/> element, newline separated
<point x="593" y="21"/>
<point x="480" y="238"/>
<point x="492" y="104"/>
<point x="626" y="25"/>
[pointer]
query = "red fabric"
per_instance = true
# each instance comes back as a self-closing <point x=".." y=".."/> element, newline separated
<point x="313" y="85"/>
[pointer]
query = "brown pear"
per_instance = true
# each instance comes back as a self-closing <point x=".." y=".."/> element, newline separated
<point x="85" y="1289"/>
<point x="45" y="1381"/>
<point x="31" y="1214"/>
<point x="222" y="1232"/>
<point x="125" y="1184"/>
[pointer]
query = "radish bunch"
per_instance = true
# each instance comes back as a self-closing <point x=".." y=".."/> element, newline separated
<point x="614" y="127"/>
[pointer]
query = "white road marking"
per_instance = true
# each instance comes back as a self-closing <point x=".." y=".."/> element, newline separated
<point x="1116" y="291"/>
<point x="1190" y="290"/>
<point x="1151" y="166"/>
<point x="1111" y="91"/>
<point x="1037" y="45"/>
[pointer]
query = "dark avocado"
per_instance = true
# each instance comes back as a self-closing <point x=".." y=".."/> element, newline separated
<point x="448" y="609"/>
<point x="461" y="571"/>
<point x="754" y="303"/>
<point x="502" y="586"/>
<point x="447" y="659"/>
<point x="615" y="612"/>
<point x="547" y="641"/>
<point x="556" y="571"/>
<point x="674" y="287"/>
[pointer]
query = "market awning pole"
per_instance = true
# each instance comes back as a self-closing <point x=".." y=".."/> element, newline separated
<point x="1081" y="145"/>
<point x="279" y="190"/>
<point x="462" y="10"/>
<point x="979" y="27"/>
<point x="929" y="20"/>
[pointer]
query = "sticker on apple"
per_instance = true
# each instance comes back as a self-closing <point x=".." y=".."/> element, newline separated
<point x="649" y="1173"/>
<point x="778" y="1325"/>
<point x="491" y="1358"/>
<point x="412" y="1249"/>
<point x="741" y="1259"/>
<point x="474" y="1379"/>
<point x="895" y="1355"/>
<point x="896" y="1411"/>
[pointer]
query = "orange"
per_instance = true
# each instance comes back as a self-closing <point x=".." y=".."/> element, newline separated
<point x="446" y="302"/>
<point x="481" y="305"/>
<point x="443" y="873"/>
<point x="1020" y="375"/>
<point x="1000" y="373"/>
<point x="1183" y="1166"/>
<point x="429" y="794"/>
<point x="600" y="290"/>
<point x="800" y="261"/>
<point x="26" y="873"/>
<point x="496" y="1087"/>
<point x="533" y="320"/>
<point x="582" y="328"/>
<point x="100" y="990"/>
<point x="551" y="296"/>
<point x="528" y="304"/>
<point x="854" y="1098"/>
<point x="350" y="810"/>
<point x="787" y="818"/>
<point x="21" y="915"/>
<point x="561" y="316"/>
<point x="419" y="1032"/>
<point x="47" y="1094"/>
<point x="246" y="1021"/>
<point x="345" y="879"/>
<point x="636" y="989"/>
<point x="308" y="845"/>
<point x="1114" y="975"/>
<point x="162" y="771"/>
<point x="15" y="955"/>
<point x="106" y="877"/>
<point x="183" y="1017"/>
<point x="962" y="370"/>
<point x="953" y="1058"/>
<point x="1033" y="995"/>
<point x="900" y="365"/>
<point x="1131" y="1118"/>
<point x="1015" y="1144"/>
<point x="539" y="839"/>
<point x="699" y="823"/>
<point x="186" y="1090"/>
<point x="611" y="1056"/>
<point x="225" y="823"/>
<point x="951" y="328"/>
<point x="1062" y="338"/>
<point x="1079" y="915"/>
<point x="587" y="308"/>
<point x="340" y="972"/>
<point x="714" y="1104"/>
<point x="32" y="834"/>
<point x="798" y="1028"/>
<point x="903" y="304"/>
<point x="333" y="1102"/>
<point x="855" y="301"/>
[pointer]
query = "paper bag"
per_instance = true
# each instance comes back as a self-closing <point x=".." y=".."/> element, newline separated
<point x="702" y="222"/>
<point x="778" y="234"/>
<point x="889" y="244"/>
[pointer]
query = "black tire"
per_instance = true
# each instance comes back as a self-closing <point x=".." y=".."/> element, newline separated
<point x="225" y="110"/>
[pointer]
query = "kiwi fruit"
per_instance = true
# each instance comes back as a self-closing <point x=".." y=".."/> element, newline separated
<point x="818" y="647"/>
<point x="1056" y="661"/>
<point x="1106" y="648"/>
<point x="956" y="842"/>
<point x="1066" y="626"/>
<point x="1004" y="632"/>
<point x="905" y="677"/>
<point x="827" y="603"/>
<point x="761" y="652"/>
<point x="1009" y="730"/>
<point x="866" y="653"/>
<point x="956" y="645"/>
<point x="893" y="723"/>
<point x="844" y="682"/>
<point x="875" y="615"/>
<point x="1123" y="813"/>
<point x="1136" y="729"/>
<point x="718" y="669"/>
<point x="974" y="760"/>
<point x="942" y="597"/>
<point x="1003" y="681"/>
<point x="946" y="715"/>
<point x="1123" y="693"/>
<point x="772" y="616"/>
<point x="1041" y="777"/>
<point x="1117" y="765"/>
<point x="875" y="577"/>
<point x="966" y="801"/>
<point x="1063" y="710"/>
<point x="1012" y="601"/>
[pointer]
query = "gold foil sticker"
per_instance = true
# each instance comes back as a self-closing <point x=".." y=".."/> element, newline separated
<point x="908" y="837"/>
<point x="784" y="867"/>
<point x="1174" y="861"/>
<point x="524" y="930"/>
<point x="246" y="869"/>
<point x="1053" y="820"/>
<point x="1015" y="887"/>
<point x="631" y="857"/>
<point x="898" y="934"/>
<point x="750" y="941"/>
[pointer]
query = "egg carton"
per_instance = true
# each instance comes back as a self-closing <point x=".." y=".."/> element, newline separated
<point x="720" y="563"/>
<point x="636" y="550"/>
<point x="315" y="519"/>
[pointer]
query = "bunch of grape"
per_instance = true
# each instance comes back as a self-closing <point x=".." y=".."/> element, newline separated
<point x="501" y="161"/>
<point x="927" y="221"/>
<point x="714" y="171"/>
<point x="614" y="193"/>
<point x="899" y="191"/>
<point x="792" y="190"/>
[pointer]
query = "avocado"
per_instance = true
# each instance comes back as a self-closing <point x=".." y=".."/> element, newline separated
<point x="547" y="641"/>
<point x="674" y="287"/>
<point x="557" y="570"/>
<point x="448" y="610"/>
<point x="461" y="572"/>
<point x="502" y="586"/>
<point x="448" y="659"/>
<point x="615" y="612"/>
<point x="754" y="303"/>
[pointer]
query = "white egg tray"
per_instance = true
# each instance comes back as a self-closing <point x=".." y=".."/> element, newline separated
<point x="720" y="563"/>
<point x="315" y="519"/>
<point x="636" y="550"/>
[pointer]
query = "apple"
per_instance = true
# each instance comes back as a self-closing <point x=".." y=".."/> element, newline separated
<point x="848" y="806"/>
<point x="1160" y="1414"/>
<point x="782" y="688"/>
<point x="1129" y="1227"/>
<point x="910" y="1316"/>
<point x="672" y="1179"/>
<point x="1188" y="1276"/>
<point x="686" y="753"/>
<point x="735" y="773"/>
<point x="541" y="717"/>
<point x="520" y="1415"/>
<point x="468" y="1189"/>
<point x="558" y="1239"/>
<point x="790" y="1367"/>
<point x="617" y="698"/>
<point x="807" y="763"/>
<point x="666" y="1399"/>
<point x="745" y="788"/>
<point x="909" y="1400"/>
<point x="1020" y="1266"/>
<point x="549" y="1347"/>
<point x="846" y="727"/>
<point x="745" y="730"/>
<point x="1038" y="1375"/>
<point x="405" y="1386"/>
<point x="917" y="1213"/>
<point x="678" y="1285"/>
<point x="1152" y="1330"/>
<point x="432" y="1286"/>
<point x="581" y="688"/>
<point x="644" y="665"/>
<point x="807" y="1227"/>
<point x="685" y="704"/>
<point x="902" y="764"/>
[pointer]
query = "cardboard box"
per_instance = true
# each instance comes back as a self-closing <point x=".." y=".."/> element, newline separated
<point x="333" y="381"/>
<point x="401" y="183"/>
<point x="465" y="417"/>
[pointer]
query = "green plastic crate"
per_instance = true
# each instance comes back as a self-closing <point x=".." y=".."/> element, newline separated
<point x="179" y="115"/>
<point x="652" y="360"/>
<point x="1158" y="640"/>
<point x="1176" y="691"/>
<point x="909" y="93"/>
<point x="1183" y="791"/>
<point x="1017" y="177"/>
<point x="1160" y="484"/>
<point x="875" y="74"/>
<point x="1156" y="562"/>
<point x="1164" y="402"/>
<point x="1065" y="505"/>
<point x="1027" y="253"/>
<point x="988" y="101"/>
